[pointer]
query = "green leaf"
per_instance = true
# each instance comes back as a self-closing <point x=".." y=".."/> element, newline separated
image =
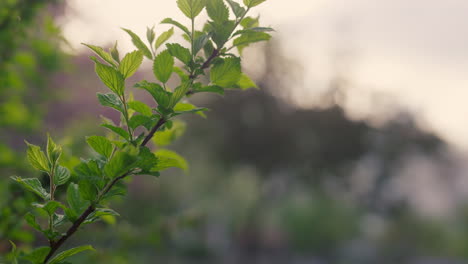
<point x="150" y="35"/>
<point x="165" y="137"/>
<point x="76" y="203"/>
<point x="162" y="66"/>
<point x="191" y="8"/>
<point x="250" y="22"/>
<point x="87" y="190"/>
<point x="13" y="255"/>
<point x="164" y="37"/>
<point x="168" y="159"/>
<point x="111" y="78"/>
<point x="140" y="107"/>
<point x="181" y="53"/>
<point x="236" y="8"/>
<point x="98" y="213"/>
<point x="161" y="96"/>
<point x="101" y="145"/>
<point x="254" y="29"/>
<point x="115" y="53"/>
<point x="226" y="73"/>
<point x="200" y="42"/>
<point x="121" y="163"/>
<point x="31" y="220"/>
<point x="33" y="185"/>
<point x="181" y="108"/>
<point x="53" y="150"/>
<point x="250" y="37"/>
<point x="221" y="32"/>
<point x="140" y="120"/>
<point x="252" y="3"/>
<point x="102" y="54"/>
<point x="110" y="100"/>
<point x="217" y="10"/>
<point x="50" y="207"/>
<point x="118" y="130"/>
<point x="61" y="176"/>
<point x="68" y="253"/>
<point x="179" y="93"/>
<point x="37" y="158"/>
<point x="38" y="255"/>
<point x="139" y="44"/>
<point x="130" y="63"/>
<point x="175" y="23"/>
<point x="211" y="89"/>
<point x="89" y="169"/>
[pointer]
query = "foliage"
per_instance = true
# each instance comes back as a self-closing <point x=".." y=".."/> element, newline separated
<point x="124" y="152"/>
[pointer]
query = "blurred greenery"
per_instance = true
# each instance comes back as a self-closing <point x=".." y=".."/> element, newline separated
<point x="29" y="58"/>
<point x="268" y="182"/>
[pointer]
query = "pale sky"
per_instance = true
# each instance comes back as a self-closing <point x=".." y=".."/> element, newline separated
<point x="413" y="50"/>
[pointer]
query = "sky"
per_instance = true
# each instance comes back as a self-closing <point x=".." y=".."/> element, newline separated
<point x="414" y="52"/>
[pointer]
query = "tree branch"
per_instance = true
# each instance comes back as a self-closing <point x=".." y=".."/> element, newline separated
<point x="55" y="245"/>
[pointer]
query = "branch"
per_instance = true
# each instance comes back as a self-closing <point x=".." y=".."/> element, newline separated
<point x="55" y="245"/>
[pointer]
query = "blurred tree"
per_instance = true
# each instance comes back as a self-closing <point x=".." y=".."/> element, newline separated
<point x="30" y="54"/>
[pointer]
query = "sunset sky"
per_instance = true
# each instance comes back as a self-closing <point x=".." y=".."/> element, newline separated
<point x="416" y="52"/>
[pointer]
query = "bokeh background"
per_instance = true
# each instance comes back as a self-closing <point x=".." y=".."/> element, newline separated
<point x="354" y="150"/>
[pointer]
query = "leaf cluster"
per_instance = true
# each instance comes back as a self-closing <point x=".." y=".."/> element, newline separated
<point x="179" y="72"/>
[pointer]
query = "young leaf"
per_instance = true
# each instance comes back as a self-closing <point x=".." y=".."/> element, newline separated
<point x="50" y="207"/>
<point x="76" y="203"/>
<point x="236" y="8"/>
<point x="62" y="175"/>
<point x="140" y="120"/>
<point x="200" y="42"/>
<point x="162" y="66"/>
<point x="211" y="89"/>
<point x="164" y="37"/>
<point x="150" y="35"/>
<point x="118" y="130"/>
<point x="114" y="52"/>
<point x="191" y="8"/>
<point x="102" y="54"/>
<point x="38" y="255"/>
<point x="130" y="63"/>
<point x="110" y="100"/>
<point x="98" y="213"/>
<point x="169" y="159"/>
<point x="68" y="253"/>
<point x="161" y="96"/>
<point x="121" y="163"/>
<point x="37" y="158"/>
<point x="181" y="53"/>
<point x="31" y="220"/>
<point x="175" y="23"/>
<point x="252" y="3"/>
<point x="53" y="150"/>
<point x="245" y="82"/>
<point x="221" y="32"/>
<point x="217" y="10"/>
<point x="33" y="185"/>
<point x="249" y="22"/>
<point x="250" y="37"/>
<point x="101" y="145"/>
<point x="179" y="93"/>
<point x="167" y="136"/>
<point x="254" y="29"/>
<point x="181" y="108"/>
<point x="140" y="107"/>
<point x="226" y="73"/>
<point x="139" y="44"/>
<point x="110" y="77"/>
<point x="87" y="190"/>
